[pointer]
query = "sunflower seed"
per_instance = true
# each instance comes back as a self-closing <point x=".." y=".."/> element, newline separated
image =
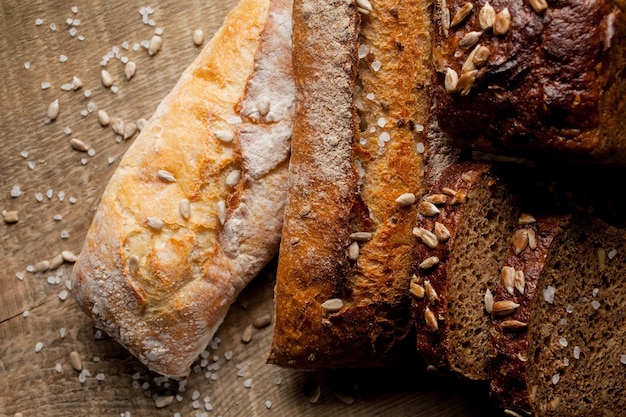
<point x="107" y="79"/>
<point x="504" y="308"/>
<point x="459" y="198"/>
<point x="262" y="321"/>
<point x="166" y="176"/>
<point x="520" y="240"/>
<point x="488" y="301"/>
<point x="41" y="266"/>
<point x="364" y="5"/>
<point x="154" y="223"/>
<point x="428" y="209"/>
<point x="427" y="237"/>
<point x="451" y="80"/>
<point x="233" y="177"/>
<point x="508" y="278"/>
<point x="353" y="251"/>
<point x="416" y="289"/>
<point x="333" y="305"/>
<point x="129" y="69"/>
<point x="526" y="218"/>
<point x="11" y="216"/>
<point x="221" y="211"/>
<point x="449" y="191"/>
<point x="406" y="199"/>
<point x="539" y="6"/>
<point x="487" y="16"/>
<point x="129" y="130"/>
<point x="437" y="60"/>
<point x="481" y="56"/>
<point x="513" y="325"/>
<point x="520" y="281"/>
<point x="133" y="265"/>
<point x="56" y="261"/>
<point x="461" y="14"/>
<point x="76" y="361"/>
<point x="78" y="145"/>
<point x="431" y="320"/>
<point x="361" y="236"/>
<point x="436" y="198"/>
<point x="162" y="401"/>
<point x="53" y="110"/>
<point x="532" y="239"/>
<point x="468" y="65"/>
<point x="441" y="232"/>
<point x="117" y="125"/>
<point x="466" y="82"/>
<point x="155" y="45"/>
<point x="185" y="208"/>
<point x="431" y="294"/>
<point x="470" y="39"/>
<point x="502" y="23"/>
<point x="68" y="256"/>
<point x="429" y="262"/>
<point x="198" y="37"/>
<point x="103" y="118"/>
<point x="141" y="124"/>
<point x="225" y="136"/>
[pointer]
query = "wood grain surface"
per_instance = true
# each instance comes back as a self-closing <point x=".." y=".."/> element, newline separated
<point x="37" y="157"/>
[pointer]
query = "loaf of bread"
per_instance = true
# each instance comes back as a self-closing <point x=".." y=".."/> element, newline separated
<point x="356" y="171"/>
<point x="464" y="227"/>
<point x="195" y="208"/>
<point x="532" y="78"/>
<point x="561" y="349"/>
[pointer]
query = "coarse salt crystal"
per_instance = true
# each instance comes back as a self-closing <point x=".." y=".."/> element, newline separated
<point x="376" y="65"/>
<point x="73" y="32"/>
<point x="595" y="292"/>
<point x="363" y="50"/>
<point x="385" y="137"/>
<point x="53" y="26"/>
<point x="91" y="152"/>
<point x="69" y="21"/>
<point x="612" y="253"/>
<point x="563" y="342"/>
<point x="195" y="395"/>
<point x="38" y="21"/>
<point x="595" y="304"/>
<point x="73" y="200"/>
<point x="62" y="58"/>
<point x="622" y="359"/>
<point x="100" y="376"/>
<point x="548" y="294"/>
<point x="569" y="308"/>
<point x="381" y="122"/>
<point x="25" y="313"/>
<point x="420" y="147"/>
<point x="278" y="380"/>
<point x="24" y="154"/>
<point x="58" y="367"/>
<point x="16" y="191"/>
<point x="20" y="275"/>
<point x="62" y="332"/>
<point x="555" y="378"/>
<point x="27" y="65"/>
<point x="38" y="347"/>
<point x="74" y="9"/>
<point x="228" y="355"/>
<point x="61" y="195"/>
<point x="370" y="96"/>
<point x="31" y="165"/>
<point x="87" y="93"/>
<point x="67" y="131"/>
<point x="63" y="295"/>
<point x="565" y="361"/>
<point x="110" y="159"/>
<point x="158" y="31"/>
<point x="268" y="404"/>
<point x="45" y="85"/>
<point x="247" y="383"/>
<point x="576" y="352"/>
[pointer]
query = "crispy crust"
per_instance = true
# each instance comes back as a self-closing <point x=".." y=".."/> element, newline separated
<point x="351" y="185"/>
<point x="162" y="293"/>
<point x="551" y="86"/>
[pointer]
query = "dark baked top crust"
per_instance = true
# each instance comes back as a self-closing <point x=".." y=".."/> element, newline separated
<point x="537" y="84"/>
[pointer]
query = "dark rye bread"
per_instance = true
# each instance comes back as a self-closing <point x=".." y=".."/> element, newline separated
<point x="342" y="286"/>
<point x="521" y="271"/>
<point x="577" y="350"/>
<point x="451" y="274"/>
<point x="548" y="79"/>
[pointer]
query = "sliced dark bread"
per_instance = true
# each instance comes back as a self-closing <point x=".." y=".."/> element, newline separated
<point x="464" y="229"/>
<point x="520" y="273"/>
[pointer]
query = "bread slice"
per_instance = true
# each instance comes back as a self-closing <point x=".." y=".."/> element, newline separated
<point x="532" y="78"/>
<point x="356" y="167"/>
<point x="522" y="269"/>
<point x="463" y="234"/>
<point x="195" y="208"/>
<point x="576" y="356"/>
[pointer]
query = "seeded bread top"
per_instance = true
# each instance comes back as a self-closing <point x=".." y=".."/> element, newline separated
<point x="532" y="77"/>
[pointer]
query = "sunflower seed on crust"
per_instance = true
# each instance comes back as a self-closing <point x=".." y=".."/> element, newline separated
<point x="488" y="301"/>
<point x="481" y="56"/>
<point x="361" y="236"/>
<point x="451" y="80"/>
<point x="416" y="289"/>
<point x="333" y="305"/>
<point x="431" y="320"/>
<point x="520" y="240"/>
<point x="504" y="308"/>
<point x="508" y="278"/>
<point x="431" y="294"/>
<point x="436" y="198"/>
<point x="532" y="239"/>
<point x="466" y="82"/>
<point x="470" y="39"/>
<point x="406" y="199"/>
<point x="486" y="16"/>
<point x="441" y="232"/>
<point x="526" y="218"/>
<point x="520" y="281"/>
<point x="429" y="262"/>
<point x="461" y="14"/>
<point x="512" y="325"/>
<point x="502" y="23"/>
<point x="426" y="236"/>
<point x="428" y="209"/>
<point x="539" y="6"/>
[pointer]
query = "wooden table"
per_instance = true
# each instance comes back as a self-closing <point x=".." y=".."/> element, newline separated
<point x="37" y="157"/>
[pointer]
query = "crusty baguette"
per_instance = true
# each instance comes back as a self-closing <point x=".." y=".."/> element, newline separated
<point x="178" y="232"/>
<point x="357" y="147"/>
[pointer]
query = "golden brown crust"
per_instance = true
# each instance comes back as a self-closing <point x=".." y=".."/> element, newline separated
<point x="379" y="161"/>
<point x="173" y="242"/>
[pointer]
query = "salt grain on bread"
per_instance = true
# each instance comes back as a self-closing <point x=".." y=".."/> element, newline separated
<point x="162" y="292"/>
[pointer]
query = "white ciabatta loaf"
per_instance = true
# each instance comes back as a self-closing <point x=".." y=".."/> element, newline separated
<point x="195" y="208"/>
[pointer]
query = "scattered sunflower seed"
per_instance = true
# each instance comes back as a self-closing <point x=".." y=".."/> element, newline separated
<point x="539" y="6"/>
<point x="129" y="70"/>
<point x="53" y="110"/>
<point x="502" y="23"/>
<point x="333" y="305"/>
<point x="198" y="37"/>
<point x="451" y="80"/>
<point x="461" y="14"/>
<point x="166" y="176"/>
<point x="155" y="45"/>
<point x="185" y="208"/>
<point x="246" y="336"/>
<point x="508" y="278"/>
<point x="429" y="262"/>
<point x="504" y="308"/>
<point x="406" y="199"/>
<point x="361" y="236"/>
<point x="353" y="251"/>
<point x="431" y="320"/>
<point x="488" y="301"/>
<point x="487" y="16"/>
<point x="262" y="321"/>
<point x="107" y="78"/>
<point x="78" y="145"/>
